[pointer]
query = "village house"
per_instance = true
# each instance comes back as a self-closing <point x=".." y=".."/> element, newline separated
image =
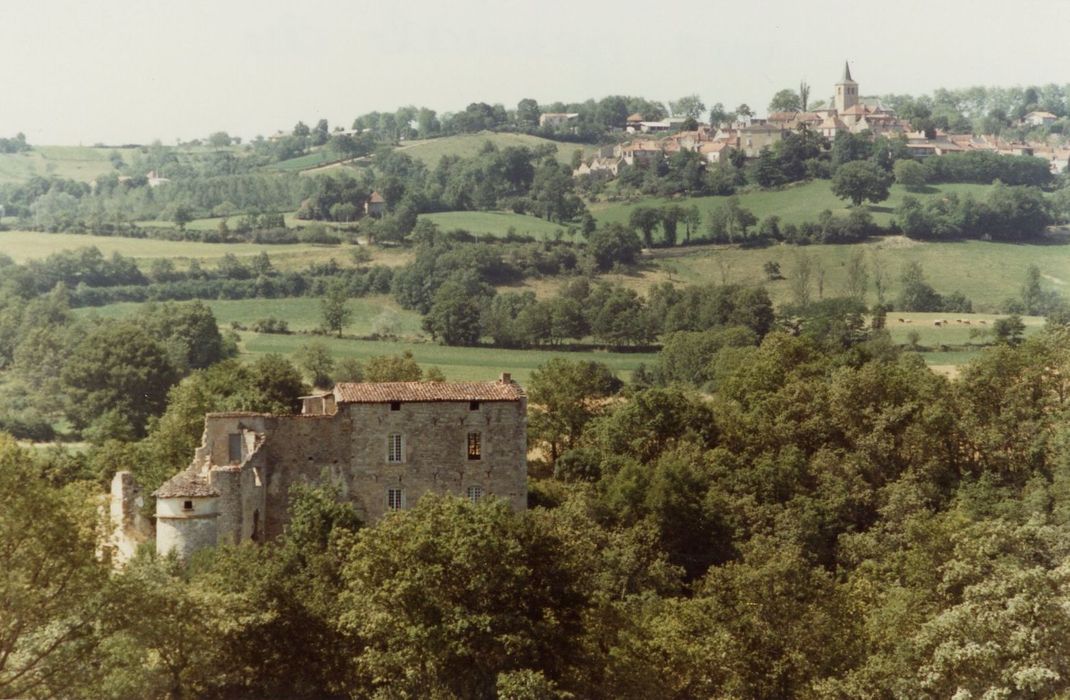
<point x="1039" y="119"/>
<point x="375" y="205"/>
<point x="382" y="445"/>
<point x="554" y="120"/>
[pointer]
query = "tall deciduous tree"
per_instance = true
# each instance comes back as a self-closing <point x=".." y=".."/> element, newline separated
<point x="859" y="181"/>
<point x="334" y="308"/>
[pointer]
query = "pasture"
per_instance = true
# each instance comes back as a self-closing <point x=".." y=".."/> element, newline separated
<point x="495" y="223"/>
<point x="430" y="151"/>
<point x="458" y="364"/>
<point x="81" y="163"/>
<point x="794" y="204"/>
<point x="22" y="246"/>
<point x="988" y="273"/>
<point x="371" y="314"/>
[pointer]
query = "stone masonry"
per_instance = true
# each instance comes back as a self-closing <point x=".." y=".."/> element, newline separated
<point x="383" y="445"/>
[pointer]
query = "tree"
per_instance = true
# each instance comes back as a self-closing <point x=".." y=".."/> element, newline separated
<point x="857" y="276"/>
<point x="614" y="244"/>
<point x="415" y="585"/>
<point x="861" y="180"/>
<point x="117" y="367"/>
<point x="334" y="308"/>
<point x="219" y="139"/>
<point x="785" y="101"/>
<point x="804" y="95"/>
<point x="645" y="219"/>
<point x="910" y="174"/>
<point x="392" y="368"/>
<point x="52" y="591"/>
<point x="316" y="360"/>
<point x="527" y="113"/>
<point x="565" y="396"/>
<point x="181" y="215"/>
<point x="690" y="106"/>
<point x="1009" y="330"/>
<point x="455" y="312"/>
<point x="718" y="114"/>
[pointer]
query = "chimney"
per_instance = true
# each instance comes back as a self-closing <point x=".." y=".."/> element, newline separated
<point x="506" y="378"/>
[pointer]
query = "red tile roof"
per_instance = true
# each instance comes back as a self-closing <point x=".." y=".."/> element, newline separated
<point x="387" y="392"/>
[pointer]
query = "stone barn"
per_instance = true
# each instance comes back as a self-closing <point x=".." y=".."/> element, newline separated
<point x="384" y="445"/>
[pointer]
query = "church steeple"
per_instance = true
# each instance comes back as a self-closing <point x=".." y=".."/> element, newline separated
<point x="846" y="91"/>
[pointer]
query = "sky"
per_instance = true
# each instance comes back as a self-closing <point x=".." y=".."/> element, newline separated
<point x="125" y="71"/>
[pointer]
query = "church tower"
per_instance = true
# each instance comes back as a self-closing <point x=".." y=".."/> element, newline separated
<point x="846" y="91"/>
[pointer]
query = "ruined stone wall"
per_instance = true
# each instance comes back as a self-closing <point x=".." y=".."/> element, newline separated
<point x="130" y="527"/>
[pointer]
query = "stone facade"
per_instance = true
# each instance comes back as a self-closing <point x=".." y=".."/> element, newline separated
<point x="383" y="445"/>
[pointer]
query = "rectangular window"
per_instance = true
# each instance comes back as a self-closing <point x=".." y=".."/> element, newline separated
<point x="234" y="448"/>
<point x="474" y="446"/>
<point x="395" y="499"/>
<point x="187" y="505"/>
<point x="393" y="449"/>
<point x="473" y="405"/>
<point x="395" y="405"/>
<point x="475" y="493"/>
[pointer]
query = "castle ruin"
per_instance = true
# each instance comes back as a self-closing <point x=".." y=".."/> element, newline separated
<point x="384" y="445"/>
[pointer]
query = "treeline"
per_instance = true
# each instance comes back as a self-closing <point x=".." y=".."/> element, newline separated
<point x="90" y="279"/>
<point x="827" y="505"/>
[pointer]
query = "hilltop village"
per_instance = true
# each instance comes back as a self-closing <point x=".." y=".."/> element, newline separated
<point x="847" y="112"/>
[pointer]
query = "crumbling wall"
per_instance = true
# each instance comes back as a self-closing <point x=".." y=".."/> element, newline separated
<point x="130" y="528"/>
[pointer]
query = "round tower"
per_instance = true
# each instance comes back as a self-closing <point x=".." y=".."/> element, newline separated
<point x="187" y="508"/>
<point x="846" y="91"/>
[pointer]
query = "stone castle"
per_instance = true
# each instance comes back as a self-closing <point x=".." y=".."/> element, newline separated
<point x="384" y="445"/>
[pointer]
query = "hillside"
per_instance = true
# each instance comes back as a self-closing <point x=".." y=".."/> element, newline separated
<point x="430" y="151"/>
<point x="793" y="204"/>
<point x="72" y="162"/>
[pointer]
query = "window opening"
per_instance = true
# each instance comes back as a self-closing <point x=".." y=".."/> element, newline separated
<point x="474" y="446"/>
<point x="234" y="447"/>
<point x="394" y="453"/>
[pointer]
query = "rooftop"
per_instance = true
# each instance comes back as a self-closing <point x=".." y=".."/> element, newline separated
<point x="388" y="392"/>
<point x="186" y="484"/>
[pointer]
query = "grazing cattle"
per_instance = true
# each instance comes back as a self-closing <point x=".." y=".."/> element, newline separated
<point x="966" y="322"/>
<point x="901" y="320"/>
<point x="938" y="323"/>
<point x="983" y="322"/>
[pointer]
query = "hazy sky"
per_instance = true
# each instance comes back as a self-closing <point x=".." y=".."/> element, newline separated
<point x="114" y="71"/>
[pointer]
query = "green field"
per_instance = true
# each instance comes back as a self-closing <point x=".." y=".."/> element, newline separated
<point x="957" y="331"/>
<point x="793" y="204"/>
<point x="458" y="364"/>
<point x="305" y="162"/>
<point x="73" y="162"/>
<point x="986" y="272"/>
<point x="496" y="223"/>
<point x="370" y="314"/>
<point x="28" y="245"/>
<point x="430" y="151"/>
<point x="211" y="223"/>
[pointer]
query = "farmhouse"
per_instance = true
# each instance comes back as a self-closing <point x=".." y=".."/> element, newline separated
<point x="383" y="445"/>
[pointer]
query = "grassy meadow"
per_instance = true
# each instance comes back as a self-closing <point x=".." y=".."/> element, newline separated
<point x="458" y="364"/>
<point x="794" y="204"/>
<point x="986" y="272"/>
<point x="430" y="151"/>
<point x="496" y="223"/>
<point x="371" y="314"/>
<point x="72" y="162"/>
